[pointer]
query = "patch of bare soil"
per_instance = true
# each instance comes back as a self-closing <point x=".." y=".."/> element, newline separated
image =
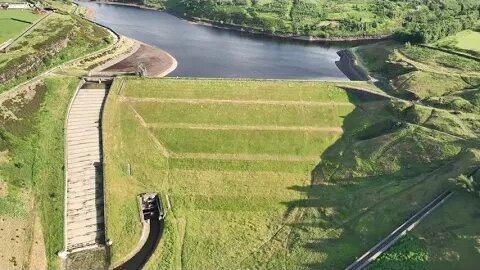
<point x="153" y="61"/>
<point x="90" y="14"/>
<point x="38" y="260"/>
<point x="14" y="242"/>
<point x="17" y="104"/>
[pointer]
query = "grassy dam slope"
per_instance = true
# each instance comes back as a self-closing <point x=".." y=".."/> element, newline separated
<point x="266" y="174"/>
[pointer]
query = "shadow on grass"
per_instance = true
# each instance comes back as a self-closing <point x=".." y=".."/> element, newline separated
<point x="351" y="205"/>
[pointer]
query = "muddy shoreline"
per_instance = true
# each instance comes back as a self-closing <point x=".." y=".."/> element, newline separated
<point x="253" y="31"/>
<point x="155" y="61"/>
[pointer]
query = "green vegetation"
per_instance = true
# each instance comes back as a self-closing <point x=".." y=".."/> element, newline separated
<point x="33" y="139"/>
<point x="66" y="6"/>
<point x="54" y="41"/>
<point x="239" y="179"/>
<point x="465" y="41"/>
<point x="415" y="20"/>
<point x="445" y="85"/>
<point x="306" y="143"/>
<point x="32" y="121"/>
<point x="409" y="254"/>
<point x="419" y="72"/>
<point x="14" y="22"/>
<point x="244" y="114"/>
<point x="240" y="155"/>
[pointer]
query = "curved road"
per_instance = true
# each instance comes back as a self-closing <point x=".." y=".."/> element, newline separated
<point x="142" y="256"/>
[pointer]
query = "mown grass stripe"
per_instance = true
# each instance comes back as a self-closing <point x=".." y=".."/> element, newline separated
<point x="235" y="101"/>
<point x="244" y="127"/>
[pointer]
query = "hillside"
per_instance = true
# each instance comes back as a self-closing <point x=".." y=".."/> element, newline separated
<point x="420" y="21"/>
<point x="33" y="106"/>
<point x="57" y="39"/>
<point x="439" y="86"/>
<point x="285" y="174"/>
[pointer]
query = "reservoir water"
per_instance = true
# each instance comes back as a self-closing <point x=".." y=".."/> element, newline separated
<point x="203" y="51"/>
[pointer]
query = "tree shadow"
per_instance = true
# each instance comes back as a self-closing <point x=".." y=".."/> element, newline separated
<point x="344" y="212"/>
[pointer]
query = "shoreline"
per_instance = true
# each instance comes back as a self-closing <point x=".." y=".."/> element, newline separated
<point x="126" y="64"/>
<point x="286" y="36"/>
<point x="253" y="31"/>
<point x="349" y="66"/>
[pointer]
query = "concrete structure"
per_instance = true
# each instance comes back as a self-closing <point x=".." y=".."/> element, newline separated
<point x="84" y="211"/>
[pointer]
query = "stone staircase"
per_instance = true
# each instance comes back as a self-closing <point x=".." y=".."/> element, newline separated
<point x="84" y="220"/>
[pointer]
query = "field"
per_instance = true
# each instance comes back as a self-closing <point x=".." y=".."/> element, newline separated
<point x="217" y="154"/>
<point x="14" y="22"/>
<point x="253" y="175"/>
<point x="467" y="41"/>
<point x="417" y="71"/>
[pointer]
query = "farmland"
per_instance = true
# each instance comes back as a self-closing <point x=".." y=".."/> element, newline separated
<point x="14" y="22"/>
<point x="237" y="158"/>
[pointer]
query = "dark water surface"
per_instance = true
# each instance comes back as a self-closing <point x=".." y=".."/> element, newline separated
<point x="203" y="51"/>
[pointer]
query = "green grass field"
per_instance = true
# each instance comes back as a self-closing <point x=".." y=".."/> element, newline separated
<point x="14" y="22"/>
<point x="236" y="159"/>
<point x="240" y="179"/>
<point x="467" y="40"/>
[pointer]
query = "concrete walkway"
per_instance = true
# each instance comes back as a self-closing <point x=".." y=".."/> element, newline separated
<point x="84" y="220"/>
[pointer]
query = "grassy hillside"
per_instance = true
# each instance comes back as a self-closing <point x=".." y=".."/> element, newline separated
<point x="419" y="21"/>
<point x="54" y="41"/>
<point x="444" y="82"/>
<point x="267" y="174"/>
<point x="31" y="170"/>
<point x="465" y="41"/>
<point x="229" y="156"/>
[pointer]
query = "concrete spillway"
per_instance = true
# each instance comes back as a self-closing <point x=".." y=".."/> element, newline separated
<point x="84" y="217"/>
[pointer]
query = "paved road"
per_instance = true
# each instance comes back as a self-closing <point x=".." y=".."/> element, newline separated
<point x="387" y="242"/>
<point x="84" y="221"/>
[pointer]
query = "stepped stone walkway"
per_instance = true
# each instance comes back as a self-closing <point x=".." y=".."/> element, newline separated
<point x="84" y="220"/>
